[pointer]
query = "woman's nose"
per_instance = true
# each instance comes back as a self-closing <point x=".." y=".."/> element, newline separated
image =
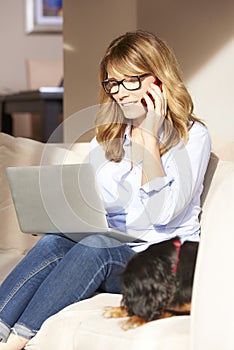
<point x="122" y="92"/>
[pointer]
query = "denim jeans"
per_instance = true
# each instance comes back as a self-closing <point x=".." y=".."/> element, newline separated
<point x="56" y="273"/>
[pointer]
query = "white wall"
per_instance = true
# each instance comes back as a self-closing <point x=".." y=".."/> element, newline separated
<point x="17" y="46"/>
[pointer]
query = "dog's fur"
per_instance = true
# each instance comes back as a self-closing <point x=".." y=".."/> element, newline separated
<point x="157" y="283"/>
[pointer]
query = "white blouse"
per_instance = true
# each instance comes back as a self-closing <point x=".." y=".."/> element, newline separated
<point x="163" y="208"/>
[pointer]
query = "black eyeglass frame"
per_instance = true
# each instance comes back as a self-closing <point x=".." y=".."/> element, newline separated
<point x="121" y="82"/>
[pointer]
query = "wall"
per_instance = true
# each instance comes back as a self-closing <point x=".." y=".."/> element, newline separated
<point x="201" y="33"/>
<point x="89" y="26"/>
<point x="17" y="47"/>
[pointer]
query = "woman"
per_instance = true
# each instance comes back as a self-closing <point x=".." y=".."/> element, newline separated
<point x="150" y="154"/>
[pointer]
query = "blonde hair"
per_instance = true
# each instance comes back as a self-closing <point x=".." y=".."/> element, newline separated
<point x="136" y="53"/>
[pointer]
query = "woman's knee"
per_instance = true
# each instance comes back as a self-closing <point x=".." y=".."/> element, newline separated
<point x="53" y="244"/>
<point x="104" y="250"/>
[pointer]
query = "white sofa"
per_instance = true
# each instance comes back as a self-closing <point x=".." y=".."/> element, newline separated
<point x="81" y="326"/>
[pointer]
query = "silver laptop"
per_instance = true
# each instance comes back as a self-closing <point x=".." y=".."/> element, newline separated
<point x="60" y="199"/>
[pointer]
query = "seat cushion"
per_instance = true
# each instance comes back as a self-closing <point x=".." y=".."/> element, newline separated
<point x="82" y="326"/>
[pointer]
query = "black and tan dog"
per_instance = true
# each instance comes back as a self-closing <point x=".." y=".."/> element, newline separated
<point x="157" y="283"/>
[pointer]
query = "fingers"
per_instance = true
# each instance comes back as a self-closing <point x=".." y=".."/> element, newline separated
<point x="156" y="101"/>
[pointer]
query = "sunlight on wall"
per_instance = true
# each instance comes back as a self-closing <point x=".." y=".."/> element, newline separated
<point x="212" y="88"/>
<point x="68" y="47"/>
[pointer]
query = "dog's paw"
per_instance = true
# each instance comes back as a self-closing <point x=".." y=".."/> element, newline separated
<point x="132" y="322"/>
<point x="115" y="312"/>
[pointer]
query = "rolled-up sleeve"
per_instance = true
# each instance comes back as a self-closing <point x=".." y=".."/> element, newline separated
<point x="155" y="186"/>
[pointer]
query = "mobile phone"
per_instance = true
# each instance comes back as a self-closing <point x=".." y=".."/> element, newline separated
<point x="156" y="82"/>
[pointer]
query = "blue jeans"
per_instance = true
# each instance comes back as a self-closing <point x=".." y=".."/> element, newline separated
<point x="56" y="273"/>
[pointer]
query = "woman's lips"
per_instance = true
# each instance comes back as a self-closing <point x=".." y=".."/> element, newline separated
<point x="129" y="104"/>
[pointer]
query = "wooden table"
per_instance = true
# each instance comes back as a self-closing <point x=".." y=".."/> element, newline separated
<point x="48" y="102"/>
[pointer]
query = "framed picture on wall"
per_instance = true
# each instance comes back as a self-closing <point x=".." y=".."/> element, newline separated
<point x="44" y="16"/>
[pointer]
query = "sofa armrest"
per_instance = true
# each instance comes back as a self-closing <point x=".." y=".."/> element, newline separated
<point x="212" y="320"/>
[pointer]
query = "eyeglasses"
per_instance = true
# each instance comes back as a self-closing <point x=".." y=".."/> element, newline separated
<point x="111" y="86"/>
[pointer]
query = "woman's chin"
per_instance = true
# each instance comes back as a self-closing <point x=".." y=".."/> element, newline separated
<point x="136" y="112"/>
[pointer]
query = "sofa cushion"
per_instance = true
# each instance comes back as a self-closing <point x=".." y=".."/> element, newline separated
<point x="218" y="188"/>
<point x="82" y="326"/>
